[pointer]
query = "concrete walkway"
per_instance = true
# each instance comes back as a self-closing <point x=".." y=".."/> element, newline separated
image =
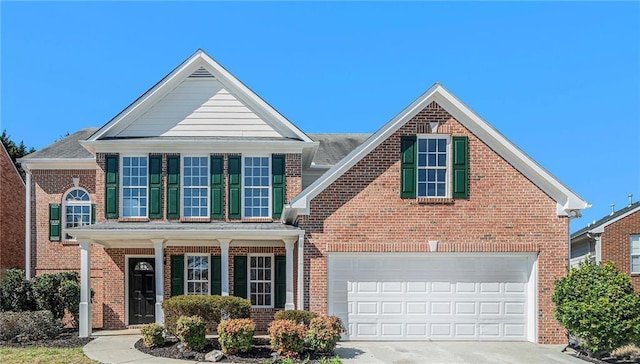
<point x="115" y="347"/>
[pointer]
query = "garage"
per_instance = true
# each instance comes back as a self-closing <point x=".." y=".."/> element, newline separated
<point x="434" y="296"/>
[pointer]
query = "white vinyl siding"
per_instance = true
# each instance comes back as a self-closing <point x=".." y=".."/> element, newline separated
<point x="195" y="186"/>
<point x="134" y="186"/>
<point x="256" y="186"/>
<point x="635" y="254"/>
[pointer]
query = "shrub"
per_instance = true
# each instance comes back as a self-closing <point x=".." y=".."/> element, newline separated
<point x="324" y="333"/>
<point x="28" y="326"/>
<point x="597" y="304"/>
<point x="287" y="338"/>
<point x="152" y="335"/>
<point x="16" y="293"/>
<point x="236" y="335"/>
<point x="230" y="307"/>
<point x="58" y="292"/>
<point x="210" y="308"/>
<point x="298" y="316"/>
<point x="70" y="292"/>
<point x="191" y="332"/>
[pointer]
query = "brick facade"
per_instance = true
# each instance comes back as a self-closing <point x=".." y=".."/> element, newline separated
<point x="616" y="245"/>
<point x="11" y="214"/>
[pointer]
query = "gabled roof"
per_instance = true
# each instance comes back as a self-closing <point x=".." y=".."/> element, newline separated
<point x="67" y="147"/>
<point x="333" y="147"/>
<point x="567" y="201"/>
<point x="598" y="226"/>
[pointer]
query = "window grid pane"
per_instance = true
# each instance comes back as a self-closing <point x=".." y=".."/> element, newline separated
<point x="260" y="281"/>
<point x="77" y="210"/>
<point x="134" y="186"/>
<point x="635" y="253"/>
<point x="432" y="167"/>
<point x="256" y="186"/>
<point x="197" y="275"/>
<point x="195" y="200"/>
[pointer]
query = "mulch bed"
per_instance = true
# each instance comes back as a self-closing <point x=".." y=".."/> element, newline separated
<point x="68" y="339"/>
<point x="581" y="354"/>
<point x="260" y="352"/>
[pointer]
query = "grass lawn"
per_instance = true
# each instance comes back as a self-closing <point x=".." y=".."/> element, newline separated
<point x="9" y="355"/>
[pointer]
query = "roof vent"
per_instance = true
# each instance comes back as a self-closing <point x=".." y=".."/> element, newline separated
<point x="201" y="73"/>
<point x="613" y="209"/>
<point x="630" y="199"/>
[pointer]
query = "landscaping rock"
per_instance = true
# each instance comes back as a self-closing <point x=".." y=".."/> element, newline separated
<point x="214" y="356"/>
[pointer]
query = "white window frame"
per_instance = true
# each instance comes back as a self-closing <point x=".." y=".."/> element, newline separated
<point x="269" y="178"/>
<point x="186" y="273"/>
<point x="182" y="185"/>
<point x="65" y="203"/>
<point x="272" y="281"/>
<point x="448" y="168"/>
<point x="635" y="238"/>
<point x="121" y="188"/>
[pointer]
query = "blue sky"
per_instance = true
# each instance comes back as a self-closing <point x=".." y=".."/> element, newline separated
<point x="560" y="80"/>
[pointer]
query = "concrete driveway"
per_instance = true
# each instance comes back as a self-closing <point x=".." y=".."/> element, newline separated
<point x="452" y="353"/>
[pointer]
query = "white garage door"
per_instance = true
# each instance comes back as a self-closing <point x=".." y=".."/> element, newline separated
<point x="433" y="296"/>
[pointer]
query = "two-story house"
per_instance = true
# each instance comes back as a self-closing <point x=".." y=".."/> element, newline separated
<point x="434" y="227"/>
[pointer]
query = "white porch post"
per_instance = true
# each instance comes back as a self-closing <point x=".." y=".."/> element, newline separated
<point x="27" y="223"/>
<point x="288" y="305"/>
<point x="224" y="266"/>
<point x="301" y="270"/>
<point x="85" y="321"/>
<point x="158" y="250"/>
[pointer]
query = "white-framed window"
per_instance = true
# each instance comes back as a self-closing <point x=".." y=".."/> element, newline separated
<point x="197" y="274"/>
<point x="256" y="186"/>
<point x="434" y="165"/>
<point x="634" y="256"/>
<point x="261" y="276"/>
<point x="134" y="184"/>
<point x="195" y="186"/>
<point x="77" y="209"/>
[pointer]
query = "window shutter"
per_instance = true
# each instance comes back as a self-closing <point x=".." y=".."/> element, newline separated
<point x="155" y="186"/>
<point x="235" y="195"/>
<point x="217" y="187"/>
<point x="173" y="187"/>
<point x="278" y="185"/>
<point x="408" y="166"/>
<point x="460" y="167"/>
<point x="177" y="275"/>
<point x="111" y="181"/>
<point x="280" y="281"/>
<point x="240" y="276"/>
<point x="216" y="275"/>
<point x="93" y="213"/>
<point x="54" y="221"/>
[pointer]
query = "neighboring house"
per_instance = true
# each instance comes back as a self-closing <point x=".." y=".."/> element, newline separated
<point x="614" y="238"/>
<point x="12" y="201"/>
<point x="434" y="227"/>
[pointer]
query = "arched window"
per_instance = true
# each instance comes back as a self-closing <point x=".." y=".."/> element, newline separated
<point x="77" y="209"/>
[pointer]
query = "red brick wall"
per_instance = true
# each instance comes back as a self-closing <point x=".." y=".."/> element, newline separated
<point x="11" y="214"/>
<point x="616" y="245"/>
<point x="363" y="211"/>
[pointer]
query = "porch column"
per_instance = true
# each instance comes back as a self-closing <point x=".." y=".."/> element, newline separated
<point x="85" y="321"/>
<point x="224" y="266"/>
<point x="301" y="270"/>
<point x="288" y="245"/>
<point x="158" y="250"/>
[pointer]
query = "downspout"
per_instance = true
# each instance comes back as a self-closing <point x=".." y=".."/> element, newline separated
<point x="301" y="270"/>
<point x="27" y="223"/>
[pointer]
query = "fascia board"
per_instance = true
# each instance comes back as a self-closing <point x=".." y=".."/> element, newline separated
<point x="58" y="163"/>
<point x="217" y="146"/>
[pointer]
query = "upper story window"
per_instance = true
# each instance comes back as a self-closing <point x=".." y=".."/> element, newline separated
<point x="77" y="209"/>
<point x="134" y="186"/>
<point x="257" y="176"/>
<point x="195" y="187"/>
<point x="433" y="166"/>
<point x="635" y="254"/>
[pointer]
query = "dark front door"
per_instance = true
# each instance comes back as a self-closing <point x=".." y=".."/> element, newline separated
<point x="142" y="291"/>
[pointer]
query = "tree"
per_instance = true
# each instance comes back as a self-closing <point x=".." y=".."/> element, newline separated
<point x="15" y="150"/>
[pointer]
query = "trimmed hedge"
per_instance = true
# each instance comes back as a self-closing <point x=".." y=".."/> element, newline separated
<point x="28" y="326"/>
<point x="298" y="316"/>
<point x="152" y="335"/>
<point x="287" y="338"/>
<point x="236" y="335"/>
<point x="212" y="309"/>
<point x="324" y="333"/>
<point x="191" y="332"/>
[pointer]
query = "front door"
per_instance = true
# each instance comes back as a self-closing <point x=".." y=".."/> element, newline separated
<point x="142" y="291"/>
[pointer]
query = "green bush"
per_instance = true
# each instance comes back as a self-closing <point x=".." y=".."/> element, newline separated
<point x="287" y="338"/>
<point x="191" y="332"/>
<point x="15" y="292"/>
<point x="28" y="326"/>
<point x="298" y="316"/>
<point x="596" y="303"/>
<point x="152" y="335"/>
<point x="324" y="333"/>
<point x="212" y="309"/>
<point x="57" y="292"/>
<point x="236" y="335"/>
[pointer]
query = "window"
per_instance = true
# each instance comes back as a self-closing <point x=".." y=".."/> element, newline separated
<point x="198" y="276"/>
<point x="261" y="280"/>
<point x="134" y="186"/>
<point x="433" y="159"/>
<point x="195" y="182"/>
<point x="635" y="254"/>
<point x="256" y="186"/>
<point x="77" y="210"/>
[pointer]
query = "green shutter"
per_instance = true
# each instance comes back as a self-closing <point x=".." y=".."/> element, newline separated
<point x="217" y="187"/>
<point x="281" y="281"/>
<point x="216" y="275"/>
<point x="93" y="213"/>
<point x="177" y="275"/>
<point x="54" y="221"/>
<point x="460" y="167"/>
<point x="408" y="166"/>
<point x="155" y="187"/>
<point x="278" y="185"/>
<point x="111" y="180"/>
<point x="173" y="187"/>
<point x="240" y="276"/>
<point x="235" y="185"/>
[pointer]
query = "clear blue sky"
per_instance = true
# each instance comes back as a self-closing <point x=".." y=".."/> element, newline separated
<point x="560" y="80"/>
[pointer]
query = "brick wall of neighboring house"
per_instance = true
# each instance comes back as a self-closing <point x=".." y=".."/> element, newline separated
<point x="11" y="214"/>
<point x="363" y="211"/>
<point x="616" y="245"/>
